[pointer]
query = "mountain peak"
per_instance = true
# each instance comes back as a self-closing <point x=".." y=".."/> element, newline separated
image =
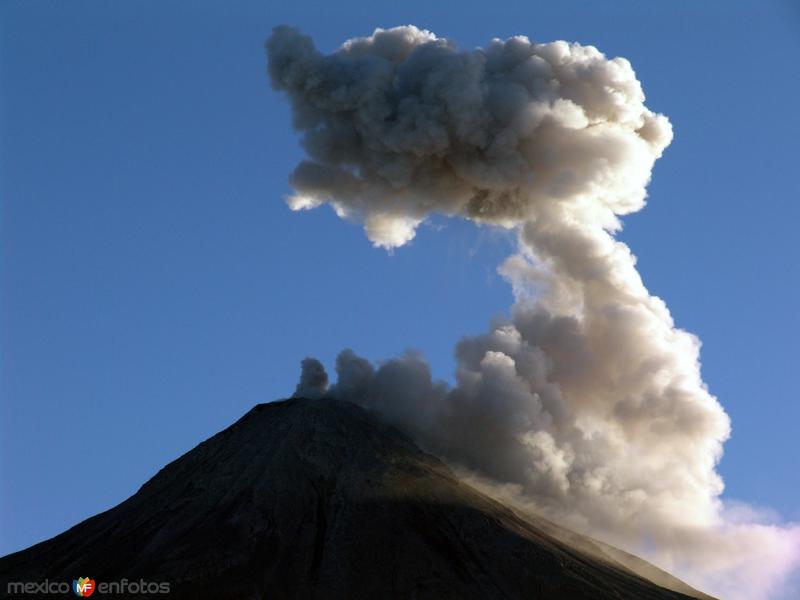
<point x="317" y="498"/>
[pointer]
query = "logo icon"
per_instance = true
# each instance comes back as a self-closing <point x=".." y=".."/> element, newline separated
<point x="83" y="586"/>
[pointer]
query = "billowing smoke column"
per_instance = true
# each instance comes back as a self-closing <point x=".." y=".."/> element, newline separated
<point x="587" y="405"/>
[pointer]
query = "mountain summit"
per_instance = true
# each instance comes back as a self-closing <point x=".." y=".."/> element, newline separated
<point x="318" y="499"/>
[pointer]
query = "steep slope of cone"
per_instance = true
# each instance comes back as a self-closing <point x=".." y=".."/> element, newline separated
<point x="318" y="499"/>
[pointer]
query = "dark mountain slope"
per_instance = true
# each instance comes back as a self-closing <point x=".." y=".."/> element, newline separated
<point x="317" y="499"/>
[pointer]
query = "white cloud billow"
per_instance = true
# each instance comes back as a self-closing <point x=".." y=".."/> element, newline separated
<point x="587" y="405"/>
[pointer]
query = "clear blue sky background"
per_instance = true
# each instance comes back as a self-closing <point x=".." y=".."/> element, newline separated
<point x="154" y="285"/>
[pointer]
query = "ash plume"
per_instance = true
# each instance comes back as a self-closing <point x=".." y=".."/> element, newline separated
<point x="587" y="405"/>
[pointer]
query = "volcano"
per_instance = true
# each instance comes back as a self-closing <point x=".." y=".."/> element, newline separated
<point x="319" y="499"/>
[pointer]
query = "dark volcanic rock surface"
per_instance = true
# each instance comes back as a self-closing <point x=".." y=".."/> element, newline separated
<point x="317" y="499"/>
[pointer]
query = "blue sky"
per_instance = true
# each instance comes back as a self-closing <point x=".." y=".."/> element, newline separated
<point x="154" y="286"/>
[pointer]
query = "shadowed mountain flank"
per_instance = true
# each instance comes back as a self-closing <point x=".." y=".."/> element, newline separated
<point x="319" y="499"/>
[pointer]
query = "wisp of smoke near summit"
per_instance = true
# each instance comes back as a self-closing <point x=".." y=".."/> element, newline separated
<point x="587" y="405"/>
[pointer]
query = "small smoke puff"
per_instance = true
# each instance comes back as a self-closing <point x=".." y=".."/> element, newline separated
<point x="402" y="124"/>
<point x="313" y="379"/>
<point x="298" y="202"/>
